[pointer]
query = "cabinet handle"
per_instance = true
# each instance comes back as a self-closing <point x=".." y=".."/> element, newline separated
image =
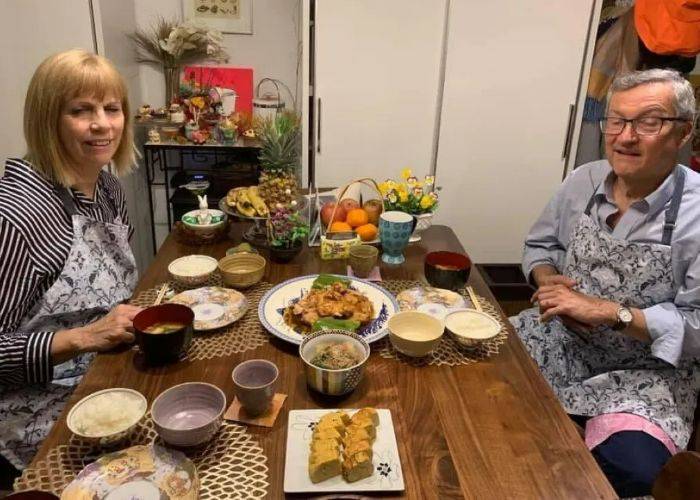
<point x="318" y="127"/>
<point x="567" y="137"/>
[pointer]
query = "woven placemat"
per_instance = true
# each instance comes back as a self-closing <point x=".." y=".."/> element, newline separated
<point x="245" y="334"/>
<point x="448" y="352"/>
<point x="231" y="465"/>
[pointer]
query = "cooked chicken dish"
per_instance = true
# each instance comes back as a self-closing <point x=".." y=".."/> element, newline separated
<point x="335" y="301"/>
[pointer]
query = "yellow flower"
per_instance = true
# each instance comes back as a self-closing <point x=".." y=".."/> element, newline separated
<point x="390" y="184"/>
<point x="383" y="188"/>
<point x="406" y="173"/>
<point x="198" y="101"/>
<point x="403" y="196"/>
<point x="402" y="188"/>
<point x="426" y="202"/>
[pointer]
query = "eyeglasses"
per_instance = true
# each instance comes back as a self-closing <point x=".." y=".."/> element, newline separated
<point x="646" y="125"/>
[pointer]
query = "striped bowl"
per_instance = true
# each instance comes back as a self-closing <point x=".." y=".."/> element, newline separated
<point x="332" y="382"/>
<point x="189" y="414"/>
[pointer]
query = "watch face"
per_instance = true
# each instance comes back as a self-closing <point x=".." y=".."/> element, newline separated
<point x="625" y="315"/>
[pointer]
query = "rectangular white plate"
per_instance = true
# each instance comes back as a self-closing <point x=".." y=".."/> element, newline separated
<point x="387" y="474"/>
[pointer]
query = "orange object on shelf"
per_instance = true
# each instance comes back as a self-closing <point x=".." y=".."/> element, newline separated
<point x="357" y="217"/>
<point x="367" y="232"/>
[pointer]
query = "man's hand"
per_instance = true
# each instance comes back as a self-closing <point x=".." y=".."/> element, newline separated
<point x="584" y="310"/>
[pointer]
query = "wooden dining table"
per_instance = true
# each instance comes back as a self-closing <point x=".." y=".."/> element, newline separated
<point x="490" y="429"/>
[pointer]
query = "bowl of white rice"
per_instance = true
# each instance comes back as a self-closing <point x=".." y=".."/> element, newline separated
<point x="107" y="416"/>
<point x="192" y="270"/>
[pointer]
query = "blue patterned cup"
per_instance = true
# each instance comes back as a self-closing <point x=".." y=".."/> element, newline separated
<point x="395" y="229"/>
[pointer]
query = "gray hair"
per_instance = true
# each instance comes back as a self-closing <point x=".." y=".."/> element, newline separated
<point x="682" y="90"/>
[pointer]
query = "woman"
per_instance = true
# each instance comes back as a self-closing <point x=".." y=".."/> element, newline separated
<point x="65" y="261"/>
<point x="616" y="257"/>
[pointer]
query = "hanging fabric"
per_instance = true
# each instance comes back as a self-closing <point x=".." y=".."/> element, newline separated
<point x="669" y="26"/>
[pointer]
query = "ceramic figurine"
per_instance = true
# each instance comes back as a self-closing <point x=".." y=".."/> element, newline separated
<point x="190" y="127"/>
<point x="176" y="114"/>
<point x="204" y="216"/>
<point x="154" y="136"/>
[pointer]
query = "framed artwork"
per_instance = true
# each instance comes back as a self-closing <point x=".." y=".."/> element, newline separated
<point x="227" y="16"/>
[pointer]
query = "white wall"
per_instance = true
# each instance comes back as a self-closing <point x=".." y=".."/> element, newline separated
<point x="30" y="31"/>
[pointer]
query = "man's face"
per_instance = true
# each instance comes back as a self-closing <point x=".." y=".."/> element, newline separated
<point x="644" y="157"/>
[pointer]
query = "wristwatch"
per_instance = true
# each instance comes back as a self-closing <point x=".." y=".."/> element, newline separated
<point x="624" y="318"/>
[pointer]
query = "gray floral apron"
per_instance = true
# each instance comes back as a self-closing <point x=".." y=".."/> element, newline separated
<point x="100" y="272"/>
<point x="607" y="371"/>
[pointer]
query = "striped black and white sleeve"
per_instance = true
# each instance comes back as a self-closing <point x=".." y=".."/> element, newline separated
<point x="25" y="357"/>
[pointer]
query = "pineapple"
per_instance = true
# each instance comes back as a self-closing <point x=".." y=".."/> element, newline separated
<point x="279" y="158"/>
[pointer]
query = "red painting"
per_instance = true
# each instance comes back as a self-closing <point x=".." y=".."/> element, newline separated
<point x="238" y="79"/>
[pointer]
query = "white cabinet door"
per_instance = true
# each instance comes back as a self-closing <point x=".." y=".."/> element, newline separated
<point x="30" y="31"/>
<point x="377" y="77"/>
<point x="512" y="72"/>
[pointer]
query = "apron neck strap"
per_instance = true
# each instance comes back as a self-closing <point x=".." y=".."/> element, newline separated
<point x="672" y="211"/>
<point x="67" y="200"/>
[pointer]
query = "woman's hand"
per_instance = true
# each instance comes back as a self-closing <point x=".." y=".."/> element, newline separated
<point x="110" y="330"/>
<point x="101" y="335"/>
<point x="582" y="310"/>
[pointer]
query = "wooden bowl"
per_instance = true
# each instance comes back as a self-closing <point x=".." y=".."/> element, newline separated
<point x="241" y="270"/>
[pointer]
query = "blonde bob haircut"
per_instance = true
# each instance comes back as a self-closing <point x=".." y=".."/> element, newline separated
<point x="58" y="79"/>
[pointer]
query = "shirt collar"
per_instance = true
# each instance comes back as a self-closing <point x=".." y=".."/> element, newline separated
<point x="82" y="198"/>
<point x="653" y="202"/>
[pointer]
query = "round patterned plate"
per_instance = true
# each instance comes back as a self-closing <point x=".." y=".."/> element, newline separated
<point x="272" y="306"/>
<point x="147" y="472"/>
<point x="213" y="306"/>
<point x="434" y="301"/>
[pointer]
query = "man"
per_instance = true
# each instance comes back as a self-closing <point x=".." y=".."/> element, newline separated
<point x="615" y="258"/>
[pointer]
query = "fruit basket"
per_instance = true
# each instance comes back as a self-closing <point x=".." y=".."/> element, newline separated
<point x="345" y="223"/>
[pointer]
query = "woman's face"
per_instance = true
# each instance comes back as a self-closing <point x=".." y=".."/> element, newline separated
<point x="90" y="130"/>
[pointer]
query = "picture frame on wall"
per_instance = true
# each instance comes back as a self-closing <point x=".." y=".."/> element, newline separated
<point x="227" y="16"/>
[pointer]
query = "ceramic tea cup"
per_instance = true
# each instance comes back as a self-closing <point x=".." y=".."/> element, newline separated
<point x="395" y="229"/>
<point x="363" y="258"/>
<point x="254" y="383"/>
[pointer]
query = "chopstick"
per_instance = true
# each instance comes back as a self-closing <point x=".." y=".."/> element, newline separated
<point x="474" y="299"/>
<point x="161" y="294"/>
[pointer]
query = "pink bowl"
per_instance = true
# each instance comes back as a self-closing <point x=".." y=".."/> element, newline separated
<point x="189" y="414"/>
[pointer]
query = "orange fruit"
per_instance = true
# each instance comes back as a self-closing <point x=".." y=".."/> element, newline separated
<point x="357" y="217"/>
<point x="339" y="227"/>
<point x="367" y="232"/>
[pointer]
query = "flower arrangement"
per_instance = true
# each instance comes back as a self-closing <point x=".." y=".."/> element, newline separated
<point x="171" y="44"/>
<point x="410" y="195"/>
<point x="286" y="227"/>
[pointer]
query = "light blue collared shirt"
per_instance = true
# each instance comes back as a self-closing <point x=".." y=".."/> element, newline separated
<point x="673" y="326"/>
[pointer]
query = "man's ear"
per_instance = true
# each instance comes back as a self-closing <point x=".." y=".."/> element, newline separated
<point x="685" y="133"/>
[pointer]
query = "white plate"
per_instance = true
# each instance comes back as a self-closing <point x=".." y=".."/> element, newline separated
<point x="387" y="474"/>
<point x="273" y="303"/>
<point x="213" y="306"/>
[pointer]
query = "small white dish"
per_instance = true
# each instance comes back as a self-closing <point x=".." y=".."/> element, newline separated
<point x="192" y="270"/>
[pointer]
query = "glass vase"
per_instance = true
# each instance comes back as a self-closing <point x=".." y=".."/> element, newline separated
<point x="172" y="83"/>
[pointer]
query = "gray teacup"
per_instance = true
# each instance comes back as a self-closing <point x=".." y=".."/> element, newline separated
<point x="363" y="258"/>
<point x="254" y="382"/>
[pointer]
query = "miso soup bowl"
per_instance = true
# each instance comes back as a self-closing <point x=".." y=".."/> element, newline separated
<point x="159" y="348"/>
<point x="327" y="381"/>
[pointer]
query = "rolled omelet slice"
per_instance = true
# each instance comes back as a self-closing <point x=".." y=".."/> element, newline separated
<point x="363" y="425"/>
<point x="327" y="433"/>
<point x="366" y="414"/>
<point x="325" y="444"/>
<point x="333" y="421"/>
<point x="357" y="467"/>
<point x="356" y="447"/>
<point x="323" y="465"/>
<point x="356" y="434"/>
